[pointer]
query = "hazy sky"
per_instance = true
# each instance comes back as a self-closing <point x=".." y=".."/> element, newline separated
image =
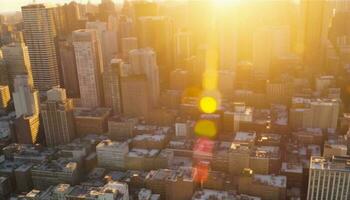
<point x="15" y="5"/>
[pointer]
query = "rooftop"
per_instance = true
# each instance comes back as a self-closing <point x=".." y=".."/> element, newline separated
<point x="271" y="180"/>
<point x="207" y="194"/>
<point x="336" y="163"/>
<point x="91" y="112"/>
<point x="245" y="137"/>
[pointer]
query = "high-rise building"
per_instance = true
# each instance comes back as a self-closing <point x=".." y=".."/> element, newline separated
<point x="135" y="96"/>
<point x="316" y="17"/>
<point x="329" y="178"/>
<point x="25" y="98"/>
<point x="3" y="71"/>
<point x="17" y="60"/>
<point x="117" y="104"/>
<point x="69" y="68"/>
<point x="183" y="46"/>
<point x="89" y="67"/>
<point x="143" y="61"/>
<point x="105" y="9"/>
<point x="179" y="79"/>
<point x="269" y="43"/>
<point x="39" y="33"/>
<point x="108" y="44"/>
<point x="128" y="44"/>
<point x="157" y="33"/>
<point x="4" y="96"/>
<point x="57" y="115"/>
<point x="26" y="101"/>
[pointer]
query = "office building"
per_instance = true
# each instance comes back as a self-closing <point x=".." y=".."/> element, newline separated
<point x="16" y="57"/>
<point x="268" y="43"/>
<point x="172" y="184"/>
<point x="183" y="46"/>
<point x="329" y="178"/>
<point x="39" y="33"/>
<point x="57" y="115"/>
<point x="120" y="128"/>
<point x="128" y="44"/>
<point x="89" y="67"/>
<point x="26" y="101"/>
<point x="270" y="187"/>
<point x="55" y="172"/>
<point x="115" y="86"/>
<point x="134" y="88"/>
<point x="314" y="113"/>
<point x="111" y="154"/>
<point x="69" y="68"/>
<point x="109" y="48"/>
<point x="143" y="61"/>
<point x="25" y="98"/>
<point x="4" y="96"/>
<point x="91" y="120"/>
<point x="156" y="32"/>
<point x="3" y="71"/>
<point x="179" y="79"/>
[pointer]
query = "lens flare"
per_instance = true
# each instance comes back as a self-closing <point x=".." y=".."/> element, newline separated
<point x="205" y="128"/>
<point x="208" y="104"/>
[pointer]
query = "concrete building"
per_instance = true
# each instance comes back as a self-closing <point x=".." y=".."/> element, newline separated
<point x="91" y="121"/>
<point x="4" y="96"/>
<point x="89" y="62"/>
<point x="156" y="32"/>
<point x="135" y="88"/>
<point x="54" y="172"/>
<point x="69" y="68"/>
<point x="329" y="178"/>
<point x="179" y="79"/>
<point x="265" y="186"/>
<point x="111" y="154"/>
<point x="17" y="59"/>
<point x="120" y="128"/>
<point x="109" y="48"/>
<point x="25" y="98"/>
<point x="143" y="61"/>
<point x="128" y="44"/>
<point x="183" y="46"/>
<point x="26" y="101"/>
<point x="115" y="86"/>
<point x="172" y="184"/>
<point x="269" y="42"/>
<point x="39" y="33"/>
<point x="314" y="113"/>
<point x="57" y="115"/>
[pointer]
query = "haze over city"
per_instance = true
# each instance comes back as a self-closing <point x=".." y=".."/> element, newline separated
<point x="175" y="100"/>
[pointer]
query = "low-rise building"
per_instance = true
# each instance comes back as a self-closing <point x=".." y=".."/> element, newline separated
<point x="111" y="154"/>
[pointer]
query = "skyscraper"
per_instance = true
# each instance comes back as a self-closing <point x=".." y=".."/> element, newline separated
<point x="26" y="101"/>
<point x="108" y="42"/>
<point x="135" y="96"/>
<point x="17" y="60"/>
<point x="143" y="61"/>
<point x="25" y="98"/>
<point x="157" y="33"/>
<point x="89" y="67"/>
<point x="329" y="178"/>
<point x="116" y="94"/>
<point x="69" y="68"/>
<point x="57" y="114"/>
<point x="40" y="32"/>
